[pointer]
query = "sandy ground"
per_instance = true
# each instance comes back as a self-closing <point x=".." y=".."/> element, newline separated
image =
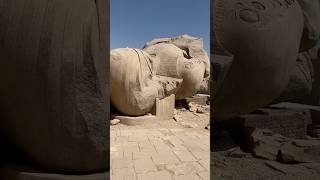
<point x="176" y="149"/>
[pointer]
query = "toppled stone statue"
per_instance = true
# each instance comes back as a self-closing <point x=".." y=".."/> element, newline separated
<point x="134" y="84"/>
<point x="163" y="67"/>
<point x="263" y="39"/>
<point x="182" y="57"/>
<point x="53" y="73"/>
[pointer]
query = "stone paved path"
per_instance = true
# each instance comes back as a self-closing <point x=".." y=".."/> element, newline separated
<point x="159" y="153"/>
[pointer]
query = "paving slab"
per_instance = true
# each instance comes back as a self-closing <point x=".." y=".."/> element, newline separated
<point x="161" y="151"/>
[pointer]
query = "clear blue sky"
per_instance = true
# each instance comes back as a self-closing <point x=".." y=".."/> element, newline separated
<point x="135" y="22"/>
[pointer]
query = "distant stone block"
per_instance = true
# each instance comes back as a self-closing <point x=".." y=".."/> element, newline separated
<point x="289" y="122"/>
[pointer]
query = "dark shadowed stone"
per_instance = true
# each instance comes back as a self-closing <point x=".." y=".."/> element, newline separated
<point x="261" y="66"/>
<point x="53" y="73"/>
<point x="249" y="16"/>
<point x="271" y="146"/>
<point x="290" y="122"/>
<point x="311" y="32"/>
<point x="300" y="83"/>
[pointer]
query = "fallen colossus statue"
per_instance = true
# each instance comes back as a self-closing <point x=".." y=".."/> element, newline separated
<point x="255" y="47"/>
<point x="163" y="67"/>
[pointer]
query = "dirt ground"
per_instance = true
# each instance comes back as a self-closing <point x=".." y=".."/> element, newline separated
<point x="243" y="166"/>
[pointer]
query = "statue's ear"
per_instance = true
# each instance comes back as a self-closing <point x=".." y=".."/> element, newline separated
<point x="186" y="53"/>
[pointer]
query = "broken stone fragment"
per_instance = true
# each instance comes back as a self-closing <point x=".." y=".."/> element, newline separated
<point x="192" y="107"/>
<point x="195" y="108"/>
<point x="201" y="110"/>
<point x="114" y="121"/>
<point x="305" y="143"/>
<point x="289" y="153"/>
<point x="267" y="145"/>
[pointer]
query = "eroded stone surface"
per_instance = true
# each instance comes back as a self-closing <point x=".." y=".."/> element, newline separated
<point x="261" y="67"/>
<point x="53" y="74"/>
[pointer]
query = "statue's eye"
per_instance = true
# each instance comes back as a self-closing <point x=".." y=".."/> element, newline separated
<point x="258" y="5"/>
<point x="249" y="16"/>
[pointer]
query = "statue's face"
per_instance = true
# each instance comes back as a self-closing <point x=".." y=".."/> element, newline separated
<point x="181" y="63"/>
